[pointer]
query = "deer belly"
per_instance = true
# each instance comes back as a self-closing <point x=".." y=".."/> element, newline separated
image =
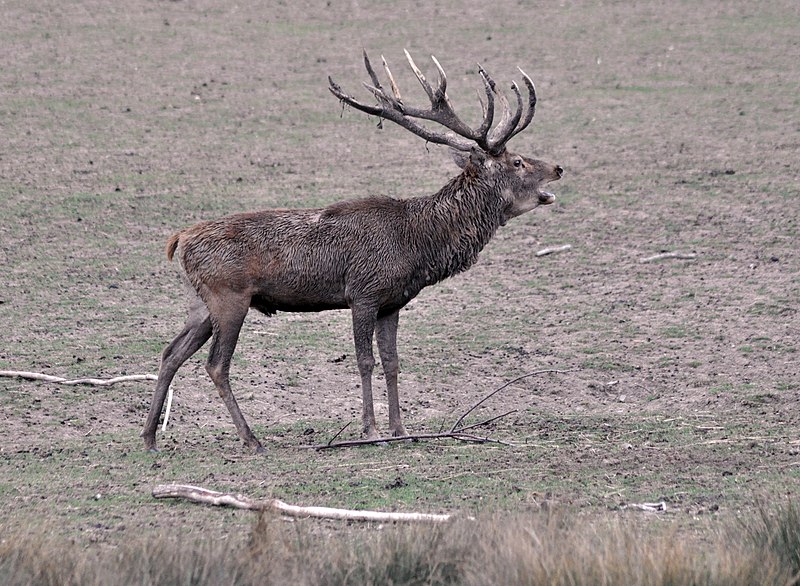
<point x="269" y="304"/>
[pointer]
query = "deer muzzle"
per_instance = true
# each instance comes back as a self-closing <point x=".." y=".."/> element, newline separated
<point x="545" y="197"/>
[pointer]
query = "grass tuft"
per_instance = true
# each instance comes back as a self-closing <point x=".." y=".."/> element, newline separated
<point x="777" y="530"/>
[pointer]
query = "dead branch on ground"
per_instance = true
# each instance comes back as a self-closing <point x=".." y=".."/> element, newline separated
<point x="465" y="437"/>
<point x="664" y="255"/>
<point x="201" y="495"/>
<point x="553" y="249"/>
<point x="100" y="382"/>
<point x="457" y="431"/>
<point x="647" y="507"/>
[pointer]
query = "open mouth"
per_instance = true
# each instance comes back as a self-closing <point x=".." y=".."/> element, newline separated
<point x="546" y="198"/>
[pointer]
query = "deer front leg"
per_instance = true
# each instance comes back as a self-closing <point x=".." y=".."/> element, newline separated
<point x="387" y="346"/>
<point x="363" y="330"/>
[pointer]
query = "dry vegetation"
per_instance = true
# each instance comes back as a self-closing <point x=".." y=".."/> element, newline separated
<point x="546" y="549"/>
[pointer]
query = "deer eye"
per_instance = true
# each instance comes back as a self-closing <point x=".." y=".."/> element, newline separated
<point x="517" y="162"/>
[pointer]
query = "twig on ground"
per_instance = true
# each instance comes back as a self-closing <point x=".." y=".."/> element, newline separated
<point x="100" y="382"/>
<point x="167" y="409"/>
<point x="338" y="433"/>
<point x="663" y="255"/>
<point x="486" y="422"/>
<point x="648" y="507"/>
<point x="497" y="390"/>
<point x="553" y="249"/>
<point x="198" y="494"/>
<point x="458" y="435"/>
<point x="455" y="432"/>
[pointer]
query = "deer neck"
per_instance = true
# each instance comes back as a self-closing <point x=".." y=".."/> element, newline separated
<point x="458" y="222"/>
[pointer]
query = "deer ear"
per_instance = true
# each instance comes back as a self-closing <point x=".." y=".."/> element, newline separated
<point x="459" y="157"/>
<point x="477" y="157"/>
<point x="462" y="158"/>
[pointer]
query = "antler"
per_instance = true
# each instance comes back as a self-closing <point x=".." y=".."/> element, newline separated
<point x="391" y="107"/>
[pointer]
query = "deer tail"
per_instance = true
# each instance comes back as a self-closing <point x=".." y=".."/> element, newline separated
<point x="172" y="244"/>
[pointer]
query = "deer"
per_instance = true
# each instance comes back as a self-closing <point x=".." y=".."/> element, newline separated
<point x="371" y="256"/>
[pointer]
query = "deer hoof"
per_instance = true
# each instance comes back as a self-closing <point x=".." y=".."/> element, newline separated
<point x="399" y="432"/>
<point x="371" y="434"/>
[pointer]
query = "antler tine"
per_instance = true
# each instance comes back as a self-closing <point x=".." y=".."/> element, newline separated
<point x="441" y="91"/>
<point x="442" y="111"/>
<point x="377" y="92"/>
<point x="531" y="104"/>
<point x="508" y="124"/>
<point x="395" y="88"/>
<point x="423" y="82"/>
<point x="375" y="82"/>
<point x="488" y="111"/>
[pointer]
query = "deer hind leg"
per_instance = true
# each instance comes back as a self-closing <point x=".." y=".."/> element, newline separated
<point x="386" y="334"/>
<point x="228" y="315"/>
<point x="195" y="333"/>
<point x="363" y="330"/>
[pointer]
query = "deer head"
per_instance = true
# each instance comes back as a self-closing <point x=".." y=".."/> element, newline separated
<point x="479" y="152"/>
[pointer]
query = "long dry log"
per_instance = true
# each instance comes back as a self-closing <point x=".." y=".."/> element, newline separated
<point x="197" y="494"/>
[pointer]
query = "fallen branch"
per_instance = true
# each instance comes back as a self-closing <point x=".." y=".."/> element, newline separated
<point x="197" y="494"/>
<point x="508" y="384"/>
<point x="457" y="431"/>
<point x="457" y="435"/>
<point x="553" y="249"/>
<point x="648" y="507"/>
<point x="663" y="255"/>
<point x="100" y="382"/>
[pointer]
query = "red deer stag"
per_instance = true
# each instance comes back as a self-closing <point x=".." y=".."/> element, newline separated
<point x="371" y="255"/>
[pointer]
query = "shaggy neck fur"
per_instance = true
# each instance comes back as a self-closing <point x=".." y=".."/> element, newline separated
<point x="457" y="222"/>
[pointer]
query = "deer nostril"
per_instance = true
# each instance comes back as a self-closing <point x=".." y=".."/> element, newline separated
<point x="559" y="170"/>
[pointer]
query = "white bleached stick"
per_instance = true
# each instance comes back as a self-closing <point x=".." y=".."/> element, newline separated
<point x="197" y="494"/>
<point x="553" y="249"/>
<point x="101" y="382"/>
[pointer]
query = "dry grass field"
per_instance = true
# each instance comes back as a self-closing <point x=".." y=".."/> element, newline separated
<point x="677" y="126"/>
